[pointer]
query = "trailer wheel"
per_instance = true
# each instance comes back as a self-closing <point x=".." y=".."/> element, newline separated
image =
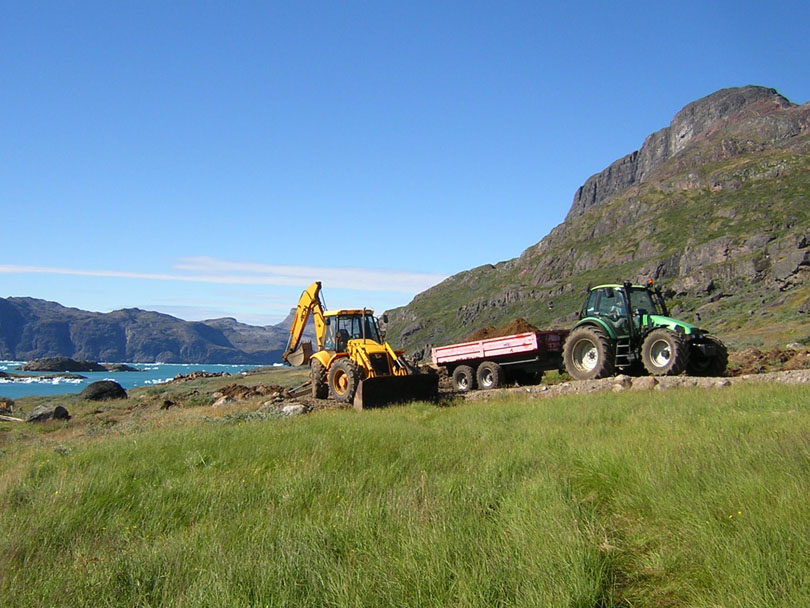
<point x="318" y="380"/>
<point x="664" y="353"/>
<point x="490" y="375"/>
<point x="344" y="377"/>
<point x="463" y="378"/>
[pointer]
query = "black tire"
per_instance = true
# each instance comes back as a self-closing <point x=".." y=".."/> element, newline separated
<point x="664" y="353"/>
<point x="318" y="381"/>
<point x="463" y="378"/>
<point x="588" y="354"/>
<point x="489" y="375"/>
<point x="344" y="376"/>
<point x="701" y="365"/>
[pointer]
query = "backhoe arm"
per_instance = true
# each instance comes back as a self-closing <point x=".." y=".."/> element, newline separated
<point x="308" y="304"/>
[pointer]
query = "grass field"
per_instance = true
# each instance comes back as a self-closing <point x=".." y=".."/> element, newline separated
<point x="679" y="498"/>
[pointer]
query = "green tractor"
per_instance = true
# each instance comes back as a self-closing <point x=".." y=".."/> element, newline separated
<point x="627" y="327"/>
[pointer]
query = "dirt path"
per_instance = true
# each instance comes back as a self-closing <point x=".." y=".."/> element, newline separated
<point x="627" y="383"/>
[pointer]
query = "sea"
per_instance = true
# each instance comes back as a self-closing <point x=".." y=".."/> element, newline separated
<point x="148" y="374"/>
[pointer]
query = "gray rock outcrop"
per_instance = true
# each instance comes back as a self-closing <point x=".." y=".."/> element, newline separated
<point x="43" y="413"/>
<point x="698" y="118"/>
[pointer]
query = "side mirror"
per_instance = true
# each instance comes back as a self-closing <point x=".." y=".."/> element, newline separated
<point x="384" y="318"/>
<point x="327" y="321"/>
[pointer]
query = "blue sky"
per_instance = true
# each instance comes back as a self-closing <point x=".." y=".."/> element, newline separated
<point x="210" y="159"/>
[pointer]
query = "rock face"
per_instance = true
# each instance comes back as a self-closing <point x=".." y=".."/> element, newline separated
<point x="698" y="118"/>
<point x="715" y="207"/>
<point x="103" y="390"/>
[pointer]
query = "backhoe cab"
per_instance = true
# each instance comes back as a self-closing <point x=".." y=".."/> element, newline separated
<point x="627" y="327"/>
<point x="353" y="364"/>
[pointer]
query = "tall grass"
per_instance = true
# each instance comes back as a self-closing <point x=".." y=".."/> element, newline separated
<point x="644" y="499"/>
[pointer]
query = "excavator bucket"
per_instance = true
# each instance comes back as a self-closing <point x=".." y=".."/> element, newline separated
<point x="301" y="355"/>
<point x="387" y="390"/>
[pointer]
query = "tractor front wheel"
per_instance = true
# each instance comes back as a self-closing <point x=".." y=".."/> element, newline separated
<point x="344" y="376"/>
<point x="588" y="354"/>
<point x="708" y="365"/>
<point x="664" y="353"/>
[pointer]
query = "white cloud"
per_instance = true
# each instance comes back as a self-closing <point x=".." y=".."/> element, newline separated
<point x="224" y="272"/>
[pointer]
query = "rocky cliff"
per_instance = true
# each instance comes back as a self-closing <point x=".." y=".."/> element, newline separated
<point x="716" y="207"/>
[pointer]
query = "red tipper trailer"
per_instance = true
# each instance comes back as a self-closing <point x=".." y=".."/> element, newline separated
<point x="492" y="362"/>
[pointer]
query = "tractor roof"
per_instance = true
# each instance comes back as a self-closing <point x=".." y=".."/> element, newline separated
<point x="617" y="286"/>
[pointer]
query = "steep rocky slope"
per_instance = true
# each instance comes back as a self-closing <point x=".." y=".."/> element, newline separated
<point x="714" y="207"/>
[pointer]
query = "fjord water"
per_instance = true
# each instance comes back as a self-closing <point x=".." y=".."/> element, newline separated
<point x="43" y="383"/>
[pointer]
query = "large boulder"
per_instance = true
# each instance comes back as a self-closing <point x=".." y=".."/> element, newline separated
<point x="42" y="413"/>
<point x="103" y="390"/>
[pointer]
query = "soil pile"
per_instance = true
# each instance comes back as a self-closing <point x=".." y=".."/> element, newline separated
<point x="754" y="361"/>
<point x="515" y="326"/>
<point x="240" y="392"/>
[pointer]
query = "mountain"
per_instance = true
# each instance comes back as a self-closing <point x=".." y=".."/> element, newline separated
<point x="715" y="208"/>
<point x="34" y="329"/>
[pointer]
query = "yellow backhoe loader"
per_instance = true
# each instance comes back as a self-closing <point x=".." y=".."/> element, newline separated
<point x="352" y="363"/>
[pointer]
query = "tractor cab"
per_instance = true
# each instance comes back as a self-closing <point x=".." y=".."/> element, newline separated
<point x="345" y="325"/>
<point x="624" y="309"/>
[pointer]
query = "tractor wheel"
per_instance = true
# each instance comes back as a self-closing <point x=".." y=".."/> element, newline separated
<point x="318" y="381"/>
<point x="489" y="375"/>
<point x="588" y="354"/>
<point x="344" y="376"/>
<point x="463" y="378"/>
<point x="701" y="365"/>
<point x="664" y="353"/>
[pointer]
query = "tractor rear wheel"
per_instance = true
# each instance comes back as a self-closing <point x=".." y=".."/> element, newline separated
<point x="664" y="353"/>
<point x="344" y="376"/>
<point x="318" y="381"/>
<point x="489" y="375"/>
<point x="712" y="365"/>
<point x="463" y="378"/>
<point x="588" y="354"/>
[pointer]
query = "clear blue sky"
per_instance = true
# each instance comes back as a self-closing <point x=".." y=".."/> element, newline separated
<point x="211" y="159"/>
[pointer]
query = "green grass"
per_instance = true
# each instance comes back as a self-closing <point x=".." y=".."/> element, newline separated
<point x="638" y="499"/>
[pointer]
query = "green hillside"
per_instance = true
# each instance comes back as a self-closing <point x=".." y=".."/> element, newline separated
<point x="722" y="225"/>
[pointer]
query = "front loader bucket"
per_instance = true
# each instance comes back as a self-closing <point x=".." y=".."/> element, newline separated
<point x="387" y="390"/>
<point x="301" y="355"/>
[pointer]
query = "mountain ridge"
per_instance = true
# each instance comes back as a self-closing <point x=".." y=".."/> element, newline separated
<point x="32" y="328"/>
<point x="715" y="206"/>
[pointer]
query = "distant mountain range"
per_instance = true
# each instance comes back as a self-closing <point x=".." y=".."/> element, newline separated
<point x="715" y="207"/>
<point x="34" y="329"/>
